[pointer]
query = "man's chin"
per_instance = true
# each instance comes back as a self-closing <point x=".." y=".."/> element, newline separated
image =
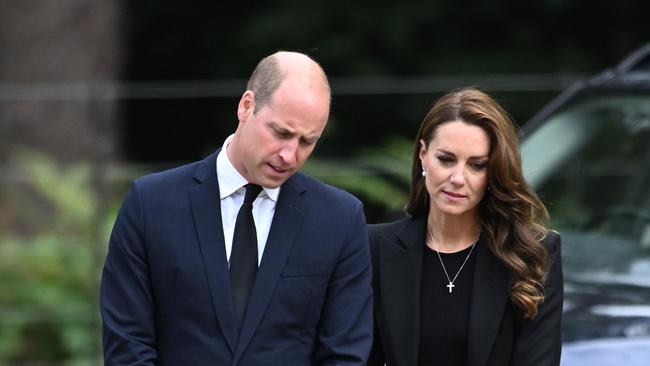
<point x="273" y="182"/>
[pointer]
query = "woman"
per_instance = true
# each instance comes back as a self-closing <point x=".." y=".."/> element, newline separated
<point x="471" y="277"/>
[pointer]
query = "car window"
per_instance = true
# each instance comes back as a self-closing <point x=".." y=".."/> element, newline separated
<point x="590" y="164"/>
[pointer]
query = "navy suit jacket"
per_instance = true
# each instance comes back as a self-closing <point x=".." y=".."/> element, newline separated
<point x="165" y="296"/>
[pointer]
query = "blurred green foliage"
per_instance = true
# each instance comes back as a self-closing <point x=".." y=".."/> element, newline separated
<point x="379" y="175"/>
<point x="51" y="244"/>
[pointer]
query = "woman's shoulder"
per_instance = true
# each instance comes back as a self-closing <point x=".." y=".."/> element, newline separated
<point x="388" y="229"/>
<point x="552" y="240"/>
<point x="391" y="231"/>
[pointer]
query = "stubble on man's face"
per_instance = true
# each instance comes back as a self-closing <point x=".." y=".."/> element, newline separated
<point x="276" y="140"/>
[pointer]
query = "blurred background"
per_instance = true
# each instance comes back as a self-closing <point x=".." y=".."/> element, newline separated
<point x="96" y="93"/>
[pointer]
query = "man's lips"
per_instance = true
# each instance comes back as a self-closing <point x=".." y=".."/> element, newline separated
<point x="279" y="170"/>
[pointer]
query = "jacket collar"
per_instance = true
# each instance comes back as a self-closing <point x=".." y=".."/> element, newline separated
<point x="489" y="297"/>
<point x="287" y="222"/>
<point x="401" y="274"/>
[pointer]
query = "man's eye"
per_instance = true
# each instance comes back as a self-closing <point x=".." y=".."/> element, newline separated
<point x="283" y="134"/>
<point x="308" y="142"/>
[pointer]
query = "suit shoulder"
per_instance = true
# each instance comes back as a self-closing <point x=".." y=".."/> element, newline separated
<point x="391" y="227"/>
<point x="168" y="177"/>
<point x="553" y="244"/>
<point x="552" y="240"/>
<point x="332" y="195"/>
<point x="166" y="186"/>
<point x="386" y="231"/>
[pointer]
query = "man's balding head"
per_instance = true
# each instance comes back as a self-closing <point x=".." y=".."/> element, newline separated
<point x="281" y="117"/>
<point x="272" y="70"/>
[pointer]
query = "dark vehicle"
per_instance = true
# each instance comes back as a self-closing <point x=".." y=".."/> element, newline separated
<point x="587" y="154"/>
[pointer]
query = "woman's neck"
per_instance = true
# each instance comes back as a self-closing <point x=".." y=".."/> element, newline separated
<point x="452" y="233"/>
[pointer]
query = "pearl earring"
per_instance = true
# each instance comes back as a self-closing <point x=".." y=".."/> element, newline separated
<point x="424" y="172"/>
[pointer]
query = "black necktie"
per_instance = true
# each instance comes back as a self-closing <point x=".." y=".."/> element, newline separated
<point x="243" y="258"/>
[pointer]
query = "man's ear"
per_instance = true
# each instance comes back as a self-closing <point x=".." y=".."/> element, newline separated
<point x="246" y="106"/>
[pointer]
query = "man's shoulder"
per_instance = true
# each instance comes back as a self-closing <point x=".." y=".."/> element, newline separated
<point x="166" y="178"/>
<point x="179" y="175"/>
<point x="324" y="191"/>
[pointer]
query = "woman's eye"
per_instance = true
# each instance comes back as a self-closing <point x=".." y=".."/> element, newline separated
<point x="478" y="166"/>
<point x="446" y="160"/>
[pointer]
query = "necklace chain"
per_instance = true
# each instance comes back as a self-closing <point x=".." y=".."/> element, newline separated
<point x="451" y="285"/>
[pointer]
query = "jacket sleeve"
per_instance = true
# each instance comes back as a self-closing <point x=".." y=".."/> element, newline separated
<point x="126" y="302"/>
<point x="539" y="341"/>
<point x="345" y="328"/>
<point x="376" y="357"/>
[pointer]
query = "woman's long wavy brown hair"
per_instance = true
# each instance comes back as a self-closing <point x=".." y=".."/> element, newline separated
<point x="512" y="217"/>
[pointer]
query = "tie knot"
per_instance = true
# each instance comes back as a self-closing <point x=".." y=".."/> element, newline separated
<point x="252" y="191"/>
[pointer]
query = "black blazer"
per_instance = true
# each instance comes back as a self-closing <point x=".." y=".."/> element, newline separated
<point x="497" y="335"/>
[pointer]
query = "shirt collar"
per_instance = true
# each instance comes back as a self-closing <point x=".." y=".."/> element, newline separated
<point x="230" y="181"/>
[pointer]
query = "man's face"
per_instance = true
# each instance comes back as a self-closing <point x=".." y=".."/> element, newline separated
<point x="276" y="140"/>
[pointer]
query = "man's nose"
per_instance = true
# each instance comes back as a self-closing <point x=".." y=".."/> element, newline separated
<point x="288" y="151"/>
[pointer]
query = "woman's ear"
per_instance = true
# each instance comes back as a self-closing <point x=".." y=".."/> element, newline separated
<point x="423" y="151"/>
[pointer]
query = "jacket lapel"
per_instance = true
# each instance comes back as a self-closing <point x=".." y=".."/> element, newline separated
<point x="287" y="221"/>
<point x="206" y="208"/>
<point x="401" y="272"/>
<point x="489" y="297"/>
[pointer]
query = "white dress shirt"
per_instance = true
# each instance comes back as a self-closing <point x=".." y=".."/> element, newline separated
<point x="232" y="191"/>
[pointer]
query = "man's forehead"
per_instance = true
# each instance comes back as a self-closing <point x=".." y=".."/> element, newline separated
<point x="300" y="93"/>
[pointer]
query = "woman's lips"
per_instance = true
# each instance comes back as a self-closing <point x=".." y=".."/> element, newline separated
<point x="454" y="195"/>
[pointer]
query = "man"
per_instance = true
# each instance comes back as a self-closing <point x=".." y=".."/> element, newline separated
<point x="178" y="287"/>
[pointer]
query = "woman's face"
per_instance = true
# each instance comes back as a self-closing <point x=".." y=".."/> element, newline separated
<point x="456" y="162"/>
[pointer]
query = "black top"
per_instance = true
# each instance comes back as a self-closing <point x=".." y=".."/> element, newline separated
<point x="444" y="316"/>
